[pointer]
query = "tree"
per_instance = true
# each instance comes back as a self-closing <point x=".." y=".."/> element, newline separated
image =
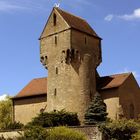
<point x="5" y="112"/>
<point x="96" y="112"/>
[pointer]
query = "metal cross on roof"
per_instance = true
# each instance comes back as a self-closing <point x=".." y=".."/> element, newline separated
<point x="57" y="4"/>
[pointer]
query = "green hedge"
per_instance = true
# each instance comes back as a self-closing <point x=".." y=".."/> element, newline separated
<point x="120" y="129"/>
<point x="63" y="133"/>
<point x="58" y="133"/>
<point x="57" y="118"/>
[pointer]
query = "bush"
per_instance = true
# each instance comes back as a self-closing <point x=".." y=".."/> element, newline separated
<point x="5" y="112"/>
<point x="57" y="118"/>
<point x="119" y="129"/>
<point x="63" y="133"/>
<point x="34" y="133"/>
<point x="14" y="125"/>
<point x="136" y="136"/>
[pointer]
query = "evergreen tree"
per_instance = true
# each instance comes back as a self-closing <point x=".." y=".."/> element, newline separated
<point x="96" y="112"/>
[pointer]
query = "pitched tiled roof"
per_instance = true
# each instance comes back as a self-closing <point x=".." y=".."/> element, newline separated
<point x="112" y="81"/>
<point x="34" y="88"/>
<point x="77" y="23"/>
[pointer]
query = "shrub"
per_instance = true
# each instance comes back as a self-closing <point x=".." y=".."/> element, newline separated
<point x="63" y="133"/>
<point x="57" y="118"/>
<point x="14" y="125"/>
<point x="119" y="129"/>
<point x="5" y="112"/>
<point x="34" y="133"/>
<point x="136" y="136"/>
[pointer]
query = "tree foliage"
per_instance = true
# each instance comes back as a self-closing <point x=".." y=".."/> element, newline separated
<point x="96" y="112"/>
<point x="5" y="113"/>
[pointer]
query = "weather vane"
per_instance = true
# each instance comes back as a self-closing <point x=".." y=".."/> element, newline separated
<point x="57" y="4"/>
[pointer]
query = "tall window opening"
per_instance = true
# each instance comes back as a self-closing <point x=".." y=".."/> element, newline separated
<point x="55" y="40"/>
<point x="55" y="92"/>
<point x="131" y="109"/>
<point x="56" y="70"/>
<point x="72" y="54"/>
<point x="85" y="40"/>
<point x="68" y="56"/>
<point x="54" y="19"/>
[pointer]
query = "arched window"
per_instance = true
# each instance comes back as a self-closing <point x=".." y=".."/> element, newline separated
<point x="54" y="19"/>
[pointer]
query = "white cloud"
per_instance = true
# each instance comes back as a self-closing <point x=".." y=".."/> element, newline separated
<point x="133" y="16"/>
<point x="109" y="17"/>
<point x="26" y="5"/>
<point x="6" y="6"/>
<point x="3" y="97"/>
<point x="128" y="17"/>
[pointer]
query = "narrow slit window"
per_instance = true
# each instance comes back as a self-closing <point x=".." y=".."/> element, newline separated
<point x="72" y="54"/>
<point x="85" y="40"/>
<point x="54" y="19"/>
<point x="56" y="70"/>
<point x="55" y="92"/>
<point x="55" y="40"/>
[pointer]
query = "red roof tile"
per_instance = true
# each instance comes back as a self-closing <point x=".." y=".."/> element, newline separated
<point x="112" y="81"/>
<point x="77" y="22"/>
<point x="34" y="88"/>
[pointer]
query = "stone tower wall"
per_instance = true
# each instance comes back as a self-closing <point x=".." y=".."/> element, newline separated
<point x="71" y="58"/>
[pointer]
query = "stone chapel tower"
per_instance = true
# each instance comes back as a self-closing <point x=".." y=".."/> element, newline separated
<point x="71" y="51"/>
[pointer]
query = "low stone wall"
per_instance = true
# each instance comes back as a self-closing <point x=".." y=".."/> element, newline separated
<point x="13" y="134"/>
<point x="91" y="132"/>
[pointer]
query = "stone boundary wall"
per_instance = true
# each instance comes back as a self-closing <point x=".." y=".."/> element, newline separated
<point x="92" y="132"/>
<point x="13" y="134"/>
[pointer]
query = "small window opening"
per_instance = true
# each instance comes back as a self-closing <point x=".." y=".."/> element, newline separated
<point x="68" y="56"/>
<point x="55" y="92"/>
<point x="131" y="109"/>
<point x="68" y="53"/>
<point x="85" y="40"/>
<point x="63" y="56"/>
<point x="54" y="19"/>
<point x="72" y="54"/>
<point x="42" y="60"/>
<point x="55" y="40"/>
<point x="56" y="70"/>
<point x="77" y="55"/>
<point x="63" y="51"/>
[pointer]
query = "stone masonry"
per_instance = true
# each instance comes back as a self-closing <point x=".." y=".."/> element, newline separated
<point x="71" y="57"/>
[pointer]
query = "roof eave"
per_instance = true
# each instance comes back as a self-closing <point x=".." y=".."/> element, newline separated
<point x="20" y="97"/>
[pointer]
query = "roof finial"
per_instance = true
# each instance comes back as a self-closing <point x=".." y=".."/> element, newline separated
<point x="57" y="4"/>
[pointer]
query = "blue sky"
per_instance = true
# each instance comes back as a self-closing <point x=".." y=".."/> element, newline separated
<point x="21" y="23"/>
